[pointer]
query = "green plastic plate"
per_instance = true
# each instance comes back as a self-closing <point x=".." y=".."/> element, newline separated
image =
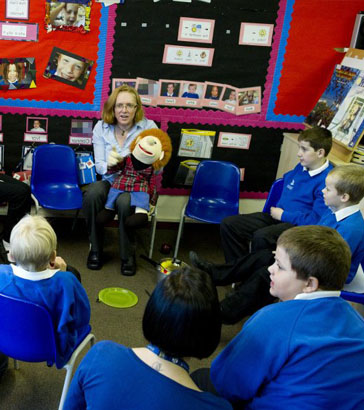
<point x="118" y="297"/>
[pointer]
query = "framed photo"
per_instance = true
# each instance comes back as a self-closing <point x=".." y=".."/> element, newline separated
<point x="68" y="15"/>
<point x="68" y="68"/>
<point x="196" y="30"/>
<point x="213" y="94"/>
<point x="17" y="73"/>
<point x="148" y="90"/>
<point x="170" y="91"/>
<point x="229" y="99"/>
<point x="17" y="9"/>
<point x="249" y="100"/>
<point x="37" y="125"/>
<point x="192" y="93"/>
<point x="117" y="82"/>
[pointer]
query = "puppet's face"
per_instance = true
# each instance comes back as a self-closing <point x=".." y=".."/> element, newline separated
<point x="148" y="150"/>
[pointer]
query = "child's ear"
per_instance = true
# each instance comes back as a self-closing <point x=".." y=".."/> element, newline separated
<point x="53" y="257"/>
<point x="345" y="197"/>
<point x="321" y="153"/>
<point x="312" y="285"/>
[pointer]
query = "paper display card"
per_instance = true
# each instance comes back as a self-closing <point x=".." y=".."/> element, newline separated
<point x="148" y="90"/>
<point x="34" y="137"/>
<point x="192" y="93"/>
<point x="17" y="9"/>
<point x="81" y="128"/>
<point x="327" y="106"/>
<point x="213" y="94"/>
<point x="170" y="90"/>
<point x="188" y="55"/>
<point x="234" y="140"/>
<point x="18" y="31"/>
<point x="196" y="30"/>
<point x="17" y="73"/>
<point x="117" y="82"/>
<point x="229" y="99"/>
<point x="68" y="68"/>
<point x="73" y="16"/>
<point x="39" y="125"/>
<point x="196" y="143"/>
<point x="249" y="100"/>
<point x="256" y="34"/>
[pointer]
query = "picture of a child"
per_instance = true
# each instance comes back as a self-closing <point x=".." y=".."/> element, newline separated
<point x="67" y="14"/>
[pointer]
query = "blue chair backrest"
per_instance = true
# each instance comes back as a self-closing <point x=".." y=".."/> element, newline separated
<point x="215" y="191"/>
<point x="274" y="195"/>
<point x="26" y="331"/>
<point x="54" y="164"/>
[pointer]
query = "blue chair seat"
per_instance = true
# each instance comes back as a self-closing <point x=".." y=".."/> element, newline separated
<point x="210" y="210"/>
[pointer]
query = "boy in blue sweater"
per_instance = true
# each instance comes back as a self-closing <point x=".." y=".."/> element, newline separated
<point x="301" y="202"/>
<point x="308" y="351"/>
<point x="38" y="275"/>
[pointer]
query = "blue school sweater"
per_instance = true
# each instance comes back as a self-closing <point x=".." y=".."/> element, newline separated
<point x="302" y="199"/>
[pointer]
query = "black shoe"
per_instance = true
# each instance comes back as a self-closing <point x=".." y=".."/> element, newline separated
<point x="128" y="267"/>
<point x="200" y="263"/>
<point x="94" y="260"/>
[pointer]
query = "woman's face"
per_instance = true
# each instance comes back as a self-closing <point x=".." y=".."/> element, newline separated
<point x="125" y="109"/>
<point x="12" y="73"/>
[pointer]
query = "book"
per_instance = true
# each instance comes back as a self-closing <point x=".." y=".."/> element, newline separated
<point x="347" y="126"/>
<point x="327" y="106"/>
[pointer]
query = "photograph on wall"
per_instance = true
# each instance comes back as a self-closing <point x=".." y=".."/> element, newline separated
<point x="170" y="91"/>
<point x="249" y="100"/>
<point x="192" y="93"/>
<point x="81" y="128"/>
<point x="229" y="99"/>
<point x="17" y="73"/>
<point x="213" y="94"/>
<point x="118" y="82"/>
<point x="71" y="16"/>
<point x="68" y="68"/>
<point x="148" y="90"/>
<point x="38" y="125"/>
<point x="196" y="143"/>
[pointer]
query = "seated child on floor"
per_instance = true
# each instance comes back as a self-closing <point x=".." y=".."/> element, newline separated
<point x="40" y="276"/>
<point x="308" y="351"/>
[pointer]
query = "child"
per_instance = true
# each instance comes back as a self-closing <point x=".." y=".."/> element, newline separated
<point x="342" y="194"/>
<point x="308" y="351"/>
<point x="191" y="93"/>
<point x="66" y="14"/>
<point x="69" y="68"/>
<point x="37" y="127"/>
<point x="38" y="275"/>
<point x="301" y="202"/>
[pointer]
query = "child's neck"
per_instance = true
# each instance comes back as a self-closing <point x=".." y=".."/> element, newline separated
<point x="317" y="164"/>
<point x="341" y="206"/>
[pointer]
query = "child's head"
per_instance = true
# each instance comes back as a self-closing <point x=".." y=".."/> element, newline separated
<point x="71" y="13"/>
<point x="214" y="91"/>
<point x="170" y="88"/>
<point x="314" y="146"/>
<point x="12" y="72"/>
<point x="309" y="258"/>
<point x="33" y="243"/>
<point x="192" y="88"/>
<point x="69" y="68"/>
<point x="36" y="124"/>
<point x="344" y="186"/>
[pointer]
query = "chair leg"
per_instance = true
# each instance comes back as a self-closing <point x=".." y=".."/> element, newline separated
<point x="152" y="236"/>
<point x="179" y="234"/>
<point x="16" y="364"/>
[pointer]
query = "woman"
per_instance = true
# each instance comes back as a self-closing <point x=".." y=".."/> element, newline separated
<point x="181" y="319"/>
<point x="122" y="120"/>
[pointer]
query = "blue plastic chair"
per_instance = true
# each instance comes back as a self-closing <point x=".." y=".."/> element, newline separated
<point x="214" y="194"/>
<point x="274" y="195"/>
<point x="27" y="334"/>
<point x="54" y="180"/>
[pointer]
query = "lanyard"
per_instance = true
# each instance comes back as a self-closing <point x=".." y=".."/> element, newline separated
<point x="179" y="362"/>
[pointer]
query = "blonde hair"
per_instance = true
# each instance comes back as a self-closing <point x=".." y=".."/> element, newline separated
<point x="32" y="243"/>
<point x="349" y="180"/>
<point x="108" y="114"/>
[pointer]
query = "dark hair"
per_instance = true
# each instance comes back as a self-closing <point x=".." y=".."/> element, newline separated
<point x="318" y="138"/>
<point x="19" y="69"/>
<point x="182" y="316"/>
<point x="349" y="180"/>
<point x="317" y="251"/>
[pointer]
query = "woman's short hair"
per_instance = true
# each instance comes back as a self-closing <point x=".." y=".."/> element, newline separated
<point x="182" y="316"/>
<point x="108" y="114"/>
<point x="317" y="251"/>
<point x="32" y="243"/>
